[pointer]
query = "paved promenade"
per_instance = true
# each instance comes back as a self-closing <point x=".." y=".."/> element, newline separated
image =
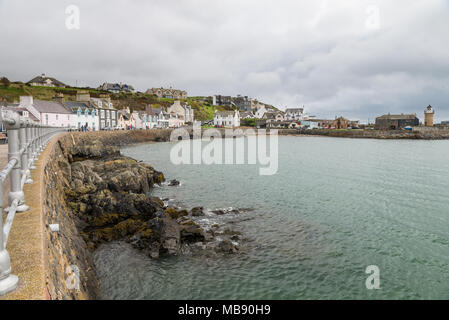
<point x="26" y="240"/>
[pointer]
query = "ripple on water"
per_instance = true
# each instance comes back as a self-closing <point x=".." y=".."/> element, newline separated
<point x="335" y="207"/>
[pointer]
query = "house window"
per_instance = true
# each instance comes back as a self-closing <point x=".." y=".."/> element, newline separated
<point x="102" y="114"/>
<point x="57" y="117"/>
<point x="25" y="114"/>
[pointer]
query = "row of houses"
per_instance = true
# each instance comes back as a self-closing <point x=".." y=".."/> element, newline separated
<point x="177" y="115"/>
<point x="89" y="113"/>
<point x="266" y="117"/>
<point x="243" y="103"/>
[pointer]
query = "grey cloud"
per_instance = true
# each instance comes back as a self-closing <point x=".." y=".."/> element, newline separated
<point x="287" y="53"/>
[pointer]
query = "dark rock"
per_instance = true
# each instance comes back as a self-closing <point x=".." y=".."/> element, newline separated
<point x="198" y="212"/>
<point x="191" y="232"/>
<point x="170" y="237"/>
<point x="221" y="212"/>
<point x="109" y="195"/>
<point x="174" y="183"/>
<point x="172" y="213"/>
<point x="226" y="246"/>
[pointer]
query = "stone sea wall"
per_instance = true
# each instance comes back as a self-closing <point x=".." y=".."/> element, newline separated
<point x="372" y="134"/>
<point x="67" y="251"/>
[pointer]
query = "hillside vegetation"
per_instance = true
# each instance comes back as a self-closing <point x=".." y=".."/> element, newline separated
<point x="135" y="101"/>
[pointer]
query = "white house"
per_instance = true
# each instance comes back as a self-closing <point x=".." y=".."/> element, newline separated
<point x="27" y="102"/>
<point x="260" y="112"/>
<point x="273" y="117"/>
<point x="51" y="113"/>
<point x="162" y="118"/>
<point x="151" y="117"/>
<point x="84" y="116"/>
<point x="246" y="115"/>
<point x="229" y="119"/>
<point x="174" y="121"/>
<point x="297" y="114"/>
<point x="107" y="114"/>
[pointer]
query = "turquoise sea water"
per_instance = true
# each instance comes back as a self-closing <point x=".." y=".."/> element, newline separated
<point x="335" y="207"/>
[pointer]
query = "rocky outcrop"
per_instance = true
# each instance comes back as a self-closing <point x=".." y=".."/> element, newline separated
<point x="108" y="193"/>
<point x="96" y="195"/>
<point x="73" y="163"/>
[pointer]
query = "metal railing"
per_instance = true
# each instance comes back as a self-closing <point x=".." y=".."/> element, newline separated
<point x="26" y="140"/>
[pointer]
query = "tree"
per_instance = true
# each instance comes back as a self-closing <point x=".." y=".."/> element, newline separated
<point x="5" y="82"/>
<point x="249" y="122"/>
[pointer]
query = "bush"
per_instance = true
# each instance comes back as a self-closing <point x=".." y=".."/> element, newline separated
<point x="5" y="82"/>
<point x="249" y="122"/>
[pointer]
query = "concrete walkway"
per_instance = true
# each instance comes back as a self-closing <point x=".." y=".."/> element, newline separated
<point x="26" y="240"/>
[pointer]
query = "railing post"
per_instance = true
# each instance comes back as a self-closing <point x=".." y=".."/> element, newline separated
<point x="8" y="281"/>
<point x="30" y="145"/>
<point x="23" y="146"/>
<point x="16" y="191"/>
<point x="36" y="149"/>
<point x="39" y="140"/>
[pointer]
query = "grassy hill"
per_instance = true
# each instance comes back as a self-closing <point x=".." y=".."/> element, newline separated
<point x="135" y="101"/>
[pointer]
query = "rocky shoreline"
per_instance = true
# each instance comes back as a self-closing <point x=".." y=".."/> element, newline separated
<point x="109" y="194"/>
<point x="106" y="198"/>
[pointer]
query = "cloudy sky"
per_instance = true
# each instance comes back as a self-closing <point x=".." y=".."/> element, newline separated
<point x="353" y="58"/>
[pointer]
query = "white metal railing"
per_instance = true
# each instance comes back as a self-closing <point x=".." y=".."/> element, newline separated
<point x="26" y="140"/>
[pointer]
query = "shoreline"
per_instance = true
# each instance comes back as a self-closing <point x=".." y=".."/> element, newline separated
<point x="99" y="196"/>
<point x="420" y="134"/>
<point x="68" y="247"/>
<point x="370" y="134"/>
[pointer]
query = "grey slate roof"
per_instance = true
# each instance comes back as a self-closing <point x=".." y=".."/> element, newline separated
<point x="74" y="106"/>
<point x="42" y="79"/>
<point x="15" y="107"/>
<point x="398" y="116"/>
<point x="50" y="107"/>
<point x="225" y="113"/>
<point x="295" y="110"/>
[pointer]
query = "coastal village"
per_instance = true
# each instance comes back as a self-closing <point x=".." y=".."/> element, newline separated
<point x="113" y="106"/>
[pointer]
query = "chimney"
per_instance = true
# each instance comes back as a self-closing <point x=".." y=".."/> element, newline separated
<point x="82" y="96"/>
<point x="26" y="101"/>
<point x="59" y="97"/>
